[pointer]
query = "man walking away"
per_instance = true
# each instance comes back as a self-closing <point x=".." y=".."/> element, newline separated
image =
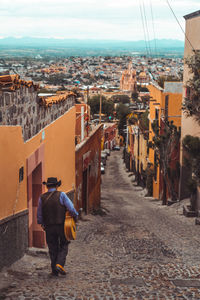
<point x="51" y="211"/>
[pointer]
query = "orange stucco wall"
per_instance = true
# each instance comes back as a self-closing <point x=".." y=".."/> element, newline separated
<point x="12" y="158"/>
<point x="59" y="160"/>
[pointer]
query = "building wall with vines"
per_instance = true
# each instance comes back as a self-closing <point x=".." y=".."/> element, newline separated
<point x="190" y="125"/>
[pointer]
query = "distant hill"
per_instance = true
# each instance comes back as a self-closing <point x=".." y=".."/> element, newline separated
<point x="73" y="47"/>
<point x="52" y="42"/>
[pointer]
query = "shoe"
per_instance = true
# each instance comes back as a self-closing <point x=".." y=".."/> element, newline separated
<point x="60" y="269"/>
<point x="53" y="273"/>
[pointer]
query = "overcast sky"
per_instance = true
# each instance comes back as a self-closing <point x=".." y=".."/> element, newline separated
<point x="94" y="19"/>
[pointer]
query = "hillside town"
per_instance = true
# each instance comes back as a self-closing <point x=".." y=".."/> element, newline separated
<point x="84" y="72"/>
<point x="68" y="117"/>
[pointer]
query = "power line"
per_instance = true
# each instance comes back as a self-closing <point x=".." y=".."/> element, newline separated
<point x="146" y="25"/>
<point x="141" y="12"/>
<point x="179" y="24"/>
<point x="152" y="18"/>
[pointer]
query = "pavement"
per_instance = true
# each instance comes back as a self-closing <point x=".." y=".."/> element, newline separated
<point x="133" y="247"/>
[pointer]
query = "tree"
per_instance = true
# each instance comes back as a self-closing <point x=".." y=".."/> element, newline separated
<point x="144" y="121"/>
<point x="134" y="96"/>
<point x="149" y="173"/>
<point x="145" y="99"/>
<point x="120" y="99"/>
<point x="191" y="146"/>
<point x="107" y="105"/>
<point x="56" y="79"/>
<point x="143" y="89"/>
<point x="165" y="144"/>
<point x="122" y="111"/>
<point x="191" y="104"/>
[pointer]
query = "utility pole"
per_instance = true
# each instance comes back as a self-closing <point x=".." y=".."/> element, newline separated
<point x="138" y="157"/>
<point x="82" y="123"/>
<point x="87" y="115"/>
<point x="87" y="95"/>
<point x="100" y="105"/>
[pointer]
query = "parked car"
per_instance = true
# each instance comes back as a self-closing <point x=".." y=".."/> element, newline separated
<point x="107" y="151"/>
<point x="102" y="168"/>
<point x="103" y="158"/>
<point x="95" y="121"/>
<point x="104" y="152"/>
<point x="116" y="148"/>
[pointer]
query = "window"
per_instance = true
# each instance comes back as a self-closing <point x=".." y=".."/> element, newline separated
<point x="155" y="166"/>
<point x="157" y="116"/>
<point x="21" y="174"/>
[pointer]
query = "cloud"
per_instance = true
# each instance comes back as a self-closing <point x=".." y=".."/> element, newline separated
<point x="92" y="19"/>
<point x="91" y="9"/>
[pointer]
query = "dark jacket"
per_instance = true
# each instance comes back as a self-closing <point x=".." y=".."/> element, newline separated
<point x="52" y="210"/>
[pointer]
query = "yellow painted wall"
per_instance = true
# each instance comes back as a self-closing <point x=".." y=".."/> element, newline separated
<point x="174" y="113"/>
<point x="157" y="94"/>
<point x="59" y="143"/>
<point x="174" y="108"/>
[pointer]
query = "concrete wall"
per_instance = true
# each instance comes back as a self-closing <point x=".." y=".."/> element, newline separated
<point x="21" y="107"/>
<point x="14" y="238"/>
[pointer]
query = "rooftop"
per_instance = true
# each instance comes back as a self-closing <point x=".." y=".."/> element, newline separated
<point x="192" y="15"/>
<point x="13" y="82"/>
<point x="173" y="87"/>
<point x="50" y="100"/>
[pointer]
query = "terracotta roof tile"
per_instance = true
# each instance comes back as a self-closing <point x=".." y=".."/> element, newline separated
<point x="13" y="82"/>
<point x="49" y="101"/>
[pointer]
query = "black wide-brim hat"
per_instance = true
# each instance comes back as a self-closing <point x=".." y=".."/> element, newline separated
<point x="52" y="181"/>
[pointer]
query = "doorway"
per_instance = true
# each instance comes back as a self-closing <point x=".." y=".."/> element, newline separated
<point x="35" y="177"/>
<point x="85" y="191"/>
<point x="37" y="236"/>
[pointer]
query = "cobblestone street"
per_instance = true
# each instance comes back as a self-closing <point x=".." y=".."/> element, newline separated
<point x="133" y="248"/>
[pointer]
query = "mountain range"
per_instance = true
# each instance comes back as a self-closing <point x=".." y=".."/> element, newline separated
<point x="53" y="42"/>
<point x="28" y="46"/>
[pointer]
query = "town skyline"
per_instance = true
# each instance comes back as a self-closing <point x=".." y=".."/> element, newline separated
<point x="89" y="19"/>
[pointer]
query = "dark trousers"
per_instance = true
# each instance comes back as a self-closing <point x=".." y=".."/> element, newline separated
<point x="57" y="244"/>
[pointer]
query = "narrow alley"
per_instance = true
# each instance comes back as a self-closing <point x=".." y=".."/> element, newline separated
<point x="133" y="248"/>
